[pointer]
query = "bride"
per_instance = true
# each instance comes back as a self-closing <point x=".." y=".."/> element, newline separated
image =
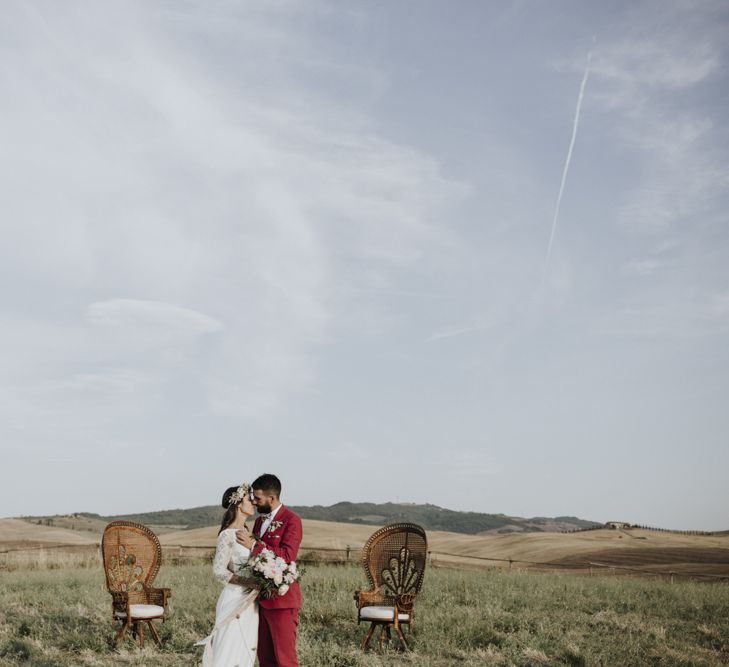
<point x="235" y="635"/>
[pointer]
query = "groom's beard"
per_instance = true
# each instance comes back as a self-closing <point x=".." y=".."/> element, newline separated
<point x="264" y="509"/>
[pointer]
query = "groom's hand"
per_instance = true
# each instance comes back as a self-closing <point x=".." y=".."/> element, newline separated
<point x="243" y="537"/>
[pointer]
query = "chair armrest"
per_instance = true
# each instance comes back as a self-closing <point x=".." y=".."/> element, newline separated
<point x="405" y="602"/>
<point x="367" y="598"/>
<point x="119" y="601"/>
<point x="158" y="596"/>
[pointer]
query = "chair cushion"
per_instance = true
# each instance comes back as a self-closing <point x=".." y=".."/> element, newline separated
<point x="381" y="614"/>
<point x="142" y="611"/>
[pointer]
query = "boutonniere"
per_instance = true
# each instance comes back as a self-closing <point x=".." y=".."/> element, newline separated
<point x="274" y="526"/>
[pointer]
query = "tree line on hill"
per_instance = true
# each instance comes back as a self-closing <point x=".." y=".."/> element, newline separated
<point x="431" y="517"/>
<point x="654" y="529"/>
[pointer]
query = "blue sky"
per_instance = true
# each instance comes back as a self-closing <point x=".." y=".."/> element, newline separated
<point x="314" y="239"/>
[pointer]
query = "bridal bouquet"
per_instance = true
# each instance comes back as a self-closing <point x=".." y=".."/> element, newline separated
<point x="273" y="574"/>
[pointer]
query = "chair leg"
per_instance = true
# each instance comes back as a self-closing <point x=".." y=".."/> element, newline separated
<point x="382" y="638"/>
<point x="368" y="636"/>
<point x="154" y="633"/>
<point x="402" y="638"/>
<point x="139" y="625"/>
<point x="120" y="633"/>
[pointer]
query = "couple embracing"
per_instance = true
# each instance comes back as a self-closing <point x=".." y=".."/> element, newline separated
<point x="245" y="622"/>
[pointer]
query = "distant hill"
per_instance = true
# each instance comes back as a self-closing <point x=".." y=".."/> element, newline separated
<point x="430" y="517"/>
<point x="433" y="517"/>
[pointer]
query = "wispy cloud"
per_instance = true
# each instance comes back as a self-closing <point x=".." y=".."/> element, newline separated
<point x="460" y="331"/>
<point x="643" y="80"/>
<point x="130" y="315"/>
<point x="349" y="452"/>
<point x="638" y="67"/>
<point x="719" y="309"/>
<point x="640" y="267"/>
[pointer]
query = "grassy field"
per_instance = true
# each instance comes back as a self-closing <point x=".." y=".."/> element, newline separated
<point x="60" y="617"/>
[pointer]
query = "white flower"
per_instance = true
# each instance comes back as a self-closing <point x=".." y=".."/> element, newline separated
<point x="292" y="567"/>
<point x="283" y="589"/>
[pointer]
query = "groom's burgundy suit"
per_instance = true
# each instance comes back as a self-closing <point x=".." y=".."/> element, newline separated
<point x="279" y="615"/>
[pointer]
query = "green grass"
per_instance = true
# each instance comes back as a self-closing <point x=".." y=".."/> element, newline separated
<point x="61" y="617"/>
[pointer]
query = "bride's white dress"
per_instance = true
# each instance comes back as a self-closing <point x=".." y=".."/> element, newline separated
<point x="233" y="640"/>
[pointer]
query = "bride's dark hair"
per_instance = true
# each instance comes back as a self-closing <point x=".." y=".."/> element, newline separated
<point x="229" y="515"/>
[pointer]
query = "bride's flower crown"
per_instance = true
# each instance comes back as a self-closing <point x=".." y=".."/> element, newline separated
<point x="243" y="491"/>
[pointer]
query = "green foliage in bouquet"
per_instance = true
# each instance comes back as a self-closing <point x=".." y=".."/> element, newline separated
<point x="272" y="573"/>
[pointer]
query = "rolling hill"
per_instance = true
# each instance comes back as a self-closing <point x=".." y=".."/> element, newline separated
<point x="629" y="547"/>
<point x="17" y="534"/>
<point x="638" y="549"/>
<point x="431" y="517"/>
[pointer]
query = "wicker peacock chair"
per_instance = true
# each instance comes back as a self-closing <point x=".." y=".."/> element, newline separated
<point x="394" y="561"/>
<point x="132" y="556"/>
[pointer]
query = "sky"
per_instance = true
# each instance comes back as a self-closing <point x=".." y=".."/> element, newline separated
<point x="473" y="254"/>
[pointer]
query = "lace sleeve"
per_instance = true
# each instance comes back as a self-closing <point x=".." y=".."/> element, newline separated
<point x="223" y="554"/>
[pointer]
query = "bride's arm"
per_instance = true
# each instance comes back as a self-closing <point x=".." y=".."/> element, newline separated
<point x="223" y="554"/>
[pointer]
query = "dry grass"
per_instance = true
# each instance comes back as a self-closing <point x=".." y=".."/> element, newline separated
<point x="50" y="559"/>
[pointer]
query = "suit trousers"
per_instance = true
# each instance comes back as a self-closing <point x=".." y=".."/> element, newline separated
<point x="277" y="637"/>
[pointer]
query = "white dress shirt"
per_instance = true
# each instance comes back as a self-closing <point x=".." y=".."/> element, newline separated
<point x="265" y="525"/>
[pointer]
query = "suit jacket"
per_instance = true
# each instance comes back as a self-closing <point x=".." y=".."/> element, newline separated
<point x="284" y="541"/>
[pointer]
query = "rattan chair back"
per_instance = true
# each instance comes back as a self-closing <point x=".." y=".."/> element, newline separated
<point x="132" y="556"/>
<point x="394" y="560"/>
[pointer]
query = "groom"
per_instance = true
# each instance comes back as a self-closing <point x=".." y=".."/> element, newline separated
<point x="278" y="529"/>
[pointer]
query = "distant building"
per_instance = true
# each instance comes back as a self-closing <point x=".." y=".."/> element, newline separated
<point x="618" y="525"/>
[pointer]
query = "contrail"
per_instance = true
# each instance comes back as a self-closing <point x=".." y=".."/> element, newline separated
<point x="566" y="166"/>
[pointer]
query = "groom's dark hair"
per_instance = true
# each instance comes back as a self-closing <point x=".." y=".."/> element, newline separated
<point x="268" y="483"/>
